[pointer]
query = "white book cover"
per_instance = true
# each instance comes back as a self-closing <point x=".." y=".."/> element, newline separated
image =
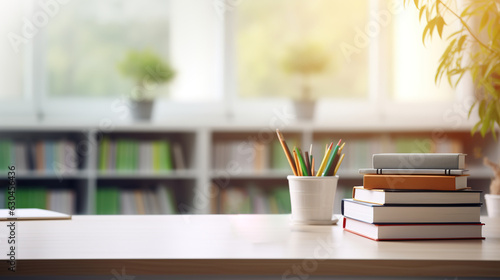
<point x="419" y="160"/>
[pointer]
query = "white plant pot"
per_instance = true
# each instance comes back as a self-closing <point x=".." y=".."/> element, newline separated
<point x="142" y="110"/>
<point x="304" y="109"/>
<point x="493" y="204"/>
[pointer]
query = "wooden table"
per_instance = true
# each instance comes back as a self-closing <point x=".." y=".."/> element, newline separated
<point x="235" y="244"/>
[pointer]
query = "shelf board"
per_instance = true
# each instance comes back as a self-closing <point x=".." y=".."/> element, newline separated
<point x="174" y="174"/>
<point x="251" y="174"/>
<point x="272" y="174"/>
<point x="50" y="175"/>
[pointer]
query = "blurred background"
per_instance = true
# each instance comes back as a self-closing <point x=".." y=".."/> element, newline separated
<point x="220" y="76"/>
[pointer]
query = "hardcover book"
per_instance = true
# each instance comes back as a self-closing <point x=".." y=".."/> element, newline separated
<point x="415" y="182"/>
<point x="382" y="197"/>
<point x="419" y="160"/>
<point x="386" y="232"/>
<point x="411" y="213"/>
<point x="403" y="171"/>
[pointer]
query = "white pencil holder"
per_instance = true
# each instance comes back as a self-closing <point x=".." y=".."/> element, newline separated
<point x="312" y="199"/>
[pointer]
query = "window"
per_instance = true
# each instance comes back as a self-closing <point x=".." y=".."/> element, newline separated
<point x="230" y="57"/>
<point x="11" y="66"/>
<point x="414" y="65"/>
<point x="86" y="40"/>
<point x="267" y="32"/>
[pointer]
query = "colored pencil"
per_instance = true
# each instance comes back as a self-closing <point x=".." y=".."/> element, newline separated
<point x="308" y="163"/>
<point x="287" y="152"/>
<point x="312" y="165"/>
<point x="338" y="164"/>
<point x="299" y="170"/>
<point x="301" y="162"/>
<point x="336" y="160"/>
<point x="325" y="159"/>
<point x="331" y="159"/>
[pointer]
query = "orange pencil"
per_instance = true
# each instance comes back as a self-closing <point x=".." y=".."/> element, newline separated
<point x="287" y="152"/>
<point x="299" y="170"/>
<point x="312" y="166"/>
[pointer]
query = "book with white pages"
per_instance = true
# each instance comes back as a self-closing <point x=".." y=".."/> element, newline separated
<point x="413" y="171"/>
<point x="27" y="214"/>
<point x="390" y="196"/>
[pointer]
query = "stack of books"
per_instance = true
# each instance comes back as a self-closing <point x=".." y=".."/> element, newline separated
<point x="408" y="196"/>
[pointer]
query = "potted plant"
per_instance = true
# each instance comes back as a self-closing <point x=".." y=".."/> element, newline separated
<point x="473" y="49"/>
<point x="305" y="60"/>
<point x="148" y="71"/>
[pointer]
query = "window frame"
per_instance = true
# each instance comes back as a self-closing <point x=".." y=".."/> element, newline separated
<point x="378" y="108"/>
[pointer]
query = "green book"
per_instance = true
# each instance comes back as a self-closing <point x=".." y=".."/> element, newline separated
<point x="30" y="197"/>
<point x="118" y="155"/>
<point x="156" y="156"/>
<point x="113" y="201"/>
<point x="107" y="201"/>
<point x="101" y="198"/>
<point x="9" y="150"/>
<point x="131" y="151"/>
<point x="4" y="154"/>
<point x="161" y="156"/>
<point x="126" y="155"/>
<point x="168" y="156"/>
<point x="121" y="160"/>
<point x="104" y="154"/>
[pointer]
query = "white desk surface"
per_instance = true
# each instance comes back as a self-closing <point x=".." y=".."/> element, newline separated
<point x="235" y="244"/>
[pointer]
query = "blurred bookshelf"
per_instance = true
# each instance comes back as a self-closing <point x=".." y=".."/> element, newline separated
<point x="199" y="169"/>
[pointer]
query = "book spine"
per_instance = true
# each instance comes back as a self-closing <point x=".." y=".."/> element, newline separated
<point x="412" y="182"/>
<point x="418" y="160"/>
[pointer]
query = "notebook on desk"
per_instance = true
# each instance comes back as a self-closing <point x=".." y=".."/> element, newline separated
<point x="26" y="214"/>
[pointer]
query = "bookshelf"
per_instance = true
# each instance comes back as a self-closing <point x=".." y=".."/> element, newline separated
<point x="212" y="169"/>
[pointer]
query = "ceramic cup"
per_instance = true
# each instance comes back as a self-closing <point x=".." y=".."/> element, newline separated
<point x="312" y="199"/>
<point x="492" y="204"/>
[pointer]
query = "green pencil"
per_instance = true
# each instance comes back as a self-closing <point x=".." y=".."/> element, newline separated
<point x="305" y="172"/>
<point x="331" y="159"/>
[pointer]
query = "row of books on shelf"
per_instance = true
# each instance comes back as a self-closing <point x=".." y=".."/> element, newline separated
<point x="140" y="155"/>
<point x="257" y="156"/>
<point x="248" y="155"/>
<point x="253" y="156"/>
<point x="254" y="200"/>
<point x="132" y="201"/>
<point x="410" y="201"/>
<point x="49" y="156"/>
<point x="60" y="200"/>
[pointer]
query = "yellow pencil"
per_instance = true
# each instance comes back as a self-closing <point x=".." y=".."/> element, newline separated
<point x="325" y="159"/>
<point x="338" y="164"/>
<point x="341" y="147"/>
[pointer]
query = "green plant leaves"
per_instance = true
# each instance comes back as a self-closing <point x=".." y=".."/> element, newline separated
<point x="467" y="53"/>
<point x="484" y="20"/>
